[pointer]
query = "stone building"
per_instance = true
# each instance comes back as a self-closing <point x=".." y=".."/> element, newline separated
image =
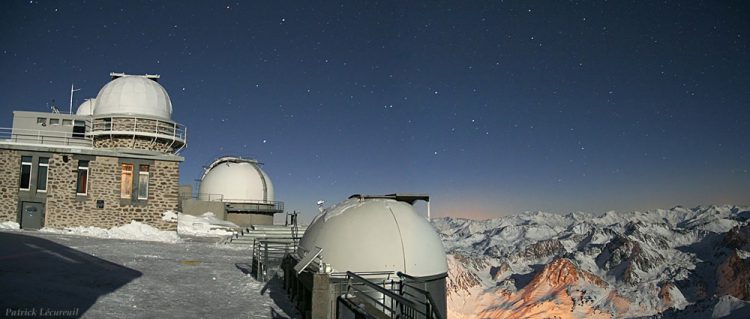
<point x="115" y="160"/>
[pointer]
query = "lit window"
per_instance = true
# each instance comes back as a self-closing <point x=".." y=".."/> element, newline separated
<point x="41" y="175"/>
<point x="126" y="185"/>
<point x="143" y="182"/>
<point x="82" y="186"/>
<point x="54" y="121"/>
<point x="25" y="173"/>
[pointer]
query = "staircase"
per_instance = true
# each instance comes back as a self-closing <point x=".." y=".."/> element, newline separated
<point x="278" y="233"/>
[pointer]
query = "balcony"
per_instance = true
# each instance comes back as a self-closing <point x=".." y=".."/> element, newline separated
<point x="118" y="126"/>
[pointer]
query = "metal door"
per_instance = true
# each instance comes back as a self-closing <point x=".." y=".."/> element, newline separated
<point x="32" y="215"/>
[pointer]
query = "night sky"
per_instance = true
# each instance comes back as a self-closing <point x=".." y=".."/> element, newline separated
<point x="493" y="108"/>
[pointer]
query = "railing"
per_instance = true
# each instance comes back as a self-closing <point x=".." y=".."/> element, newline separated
<point x="268" y="254"/>
<point x="45" y="137"/>
<point x="395" y="299"/>
<point x="240" y="205"/>
<point x="420" y="295"/>
<point x="118" y="125"/>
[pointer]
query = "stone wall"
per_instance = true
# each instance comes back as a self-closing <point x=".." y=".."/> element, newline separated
<point x="10" y="175"/>
<point x="65" y="209"/>
<point x="142" y="143"/>
<point x="141" y="125"/>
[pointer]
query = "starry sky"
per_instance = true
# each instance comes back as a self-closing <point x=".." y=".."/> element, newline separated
<point x="491" y="107"/>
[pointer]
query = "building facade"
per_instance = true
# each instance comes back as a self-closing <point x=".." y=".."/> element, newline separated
<point x="114" y="161"/>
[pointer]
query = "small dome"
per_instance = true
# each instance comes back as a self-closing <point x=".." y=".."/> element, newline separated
<point x="234" y="179"/>
<point x="86" y="108"/>
<point x="376" y="234"/>
<point x="133" y="95"/>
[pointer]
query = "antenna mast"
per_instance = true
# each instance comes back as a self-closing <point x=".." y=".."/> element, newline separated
<point x="72" y="90"/>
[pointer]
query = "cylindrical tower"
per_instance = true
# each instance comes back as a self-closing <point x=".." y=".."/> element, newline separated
<point x="134" y="112"/>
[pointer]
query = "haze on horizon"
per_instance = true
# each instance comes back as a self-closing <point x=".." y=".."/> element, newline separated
<point x="491" y="108"/>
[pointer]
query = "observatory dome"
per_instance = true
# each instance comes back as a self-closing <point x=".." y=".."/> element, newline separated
<point x="86" y="108"/>
<point x="237" y="180"/>
<point x="375" y="234"/>
<point x="133" y="95"/>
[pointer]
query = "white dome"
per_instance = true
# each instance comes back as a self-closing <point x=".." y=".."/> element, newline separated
<point x="235" y="180"/>
<point x="86" y="108"/>
<point x="133" y="95"/>
<point x="376" y="234"/>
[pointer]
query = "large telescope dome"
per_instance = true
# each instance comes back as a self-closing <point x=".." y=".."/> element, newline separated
<point x="135" y="95"/>
<point x="376" y="233"/>
<point x="234" y="179"/>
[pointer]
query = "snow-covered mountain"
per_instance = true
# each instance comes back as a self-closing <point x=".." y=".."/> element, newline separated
<point x="665" y="263"/>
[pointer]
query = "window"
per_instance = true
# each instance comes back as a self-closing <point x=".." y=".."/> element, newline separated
<point x="67" y="122"/>
<point x="25" y="173"/>
<point x="41" y="174"/>
<point x="82" y="186"/>
<point x="143" y="181"/>
<point x="54" y="121"/>
<point x="41" y="121"/>
<point x="126" y="184"/>
<point x="79" y="129"/>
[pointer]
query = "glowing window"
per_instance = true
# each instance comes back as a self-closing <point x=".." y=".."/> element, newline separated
<point x="126" y="181"/>
<point x="82" y="185"/>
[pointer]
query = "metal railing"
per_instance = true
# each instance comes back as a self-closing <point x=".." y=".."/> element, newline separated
<point x="138" y="126"/>
<point x="239" y="204"/>
<point x="45" y="137"/>
<point x="395" y="299"/>
<point x="268" y="254"/>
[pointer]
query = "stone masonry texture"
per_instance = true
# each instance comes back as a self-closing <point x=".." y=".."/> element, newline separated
<point x="65" y="209"/>
<point x="10" y="174"/>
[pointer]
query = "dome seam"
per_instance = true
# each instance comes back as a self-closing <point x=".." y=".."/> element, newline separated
<point x="400" y="237"/>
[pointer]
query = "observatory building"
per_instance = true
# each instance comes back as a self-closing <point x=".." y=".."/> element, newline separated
<point x="369" y="255"/>
<point x="238" y="190"/>
<point x="114" y="160"/>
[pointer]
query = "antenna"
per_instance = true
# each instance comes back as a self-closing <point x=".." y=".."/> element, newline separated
<point x="72" y="90"/>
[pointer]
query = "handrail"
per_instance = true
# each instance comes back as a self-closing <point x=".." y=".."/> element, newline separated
<point x="132" y="124"/>
<point x="422" y="291"/>
<point x="397" y="303"/>
<point x="46" y="136"/>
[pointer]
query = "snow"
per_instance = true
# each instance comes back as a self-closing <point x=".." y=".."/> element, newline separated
<point x="727" y="305"/>
<point x="133" y="231"/>
<point x="9" y="225"/>
<point x="205" y="225"/>
<point x="118" y="278"/>
<point x="636" y="253"/>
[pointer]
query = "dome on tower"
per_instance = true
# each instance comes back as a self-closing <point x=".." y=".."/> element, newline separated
<point x="235" y="179"/>
<point x="133" y="95"/>
<point x="86" y="108"/>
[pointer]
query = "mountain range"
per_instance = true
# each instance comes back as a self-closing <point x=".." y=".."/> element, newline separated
<point x="667" y="263"/>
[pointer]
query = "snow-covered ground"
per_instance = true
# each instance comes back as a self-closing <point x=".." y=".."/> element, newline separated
<point x="206" y="225"/>
<point x="115" y="278"/>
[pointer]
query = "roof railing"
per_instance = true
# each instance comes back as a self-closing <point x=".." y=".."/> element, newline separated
<point x="45" y="137"/>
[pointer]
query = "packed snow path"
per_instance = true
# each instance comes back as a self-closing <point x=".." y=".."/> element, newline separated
<point x="112" y="278"/>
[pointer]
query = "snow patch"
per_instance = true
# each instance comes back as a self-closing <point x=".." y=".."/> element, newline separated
<point x="133" y="231"/>
<point x="9" y="225"/>
<point x="206" y="225"/>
